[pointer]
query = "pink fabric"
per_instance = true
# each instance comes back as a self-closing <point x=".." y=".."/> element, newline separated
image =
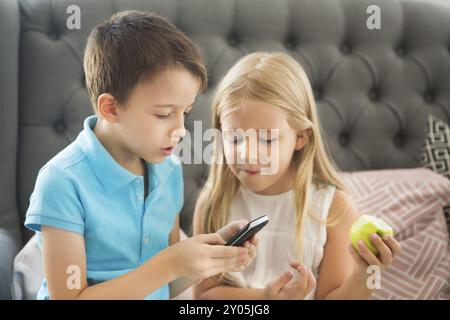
<point x="411" y="201"/>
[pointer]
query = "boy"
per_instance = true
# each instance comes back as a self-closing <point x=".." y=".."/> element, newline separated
<point x="106" y="207"/>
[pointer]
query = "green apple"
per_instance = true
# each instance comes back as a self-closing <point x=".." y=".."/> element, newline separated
<point x="364" y="227"/>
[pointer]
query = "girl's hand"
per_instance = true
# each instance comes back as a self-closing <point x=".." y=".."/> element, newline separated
<point x="205" y="255"/>
<point x="387" y="247"/>
<point x="285" y="289"/>
<point x="231" y="229"/>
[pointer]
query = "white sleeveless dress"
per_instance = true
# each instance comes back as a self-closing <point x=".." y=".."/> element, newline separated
<point x="276" y="249"/>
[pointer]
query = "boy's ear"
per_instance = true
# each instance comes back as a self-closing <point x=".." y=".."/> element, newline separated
<point x="302" y="139"/>
<point x="107" y="107"/>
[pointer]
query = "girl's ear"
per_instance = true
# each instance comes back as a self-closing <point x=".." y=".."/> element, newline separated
<point x="302" y="139"/>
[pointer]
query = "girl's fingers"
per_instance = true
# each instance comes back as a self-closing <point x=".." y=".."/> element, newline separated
<point x="367" y="254"/>
<point x="311" y="281"/>
<point x="277" y="284"/>
<point x="302" y="281"/>
<point x="392" y="244"/>
<point x="357" y="257"/>
<point x="384" y="251"/>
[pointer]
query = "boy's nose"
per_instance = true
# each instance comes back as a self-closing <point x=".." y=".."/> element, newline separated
<point x="178" y="133"/>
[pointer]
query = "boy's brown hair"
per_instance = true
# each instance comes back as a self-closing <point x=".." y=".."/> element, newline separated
<point x="132" y="46"/>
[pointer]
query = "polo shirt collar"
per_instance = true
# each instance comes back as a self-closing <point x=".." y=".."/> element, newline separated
<point x="111" y="174"/>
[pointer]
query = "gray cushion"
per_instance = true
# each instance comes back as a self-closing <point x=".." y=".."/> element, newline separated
<point x="374" y="88"/>
<point x="370" y="85"/>
<point x="10" y="239"/>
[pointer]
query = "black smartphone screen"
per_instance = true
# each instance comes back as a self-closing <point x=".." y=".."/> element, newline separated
<point x="248" y="231"/>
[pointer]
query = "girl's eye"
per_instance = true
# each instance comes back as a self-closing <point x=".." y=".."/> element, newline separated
<point x="163" y="116"/>
<point x="235" y="140"/>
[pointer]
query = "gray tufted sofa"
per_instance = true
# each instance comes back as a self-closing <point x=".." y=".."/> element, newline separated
<point x="374" y="88"/>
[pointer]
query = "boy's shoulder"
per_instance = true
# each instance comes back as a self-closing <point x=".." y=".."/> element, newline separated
<point x="65" y="160"/>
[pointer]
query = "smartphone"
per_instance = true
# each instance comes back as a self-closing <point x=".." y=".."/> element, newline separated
<point x="248" y="231"/>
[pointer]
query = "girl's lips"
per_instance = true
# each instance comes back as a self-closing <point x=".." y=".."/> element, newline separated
<point x="251" y="172"/>
<point x="167" y="151"/>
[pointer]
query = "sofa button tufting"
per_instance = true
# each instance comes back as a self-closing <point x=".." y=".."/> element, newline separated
<point x="291" y="43"/>
<point x="60" y="127"/>
<point x="399" y="140"/>
<point x="428" y="96"/>
<point x="53" y="36"/>
<point x="374" y="94"/>
<point x="317" y="94"/>
<point x="346" y="48"/>
<point x="344" y="138"/>
<point x="401" y="51"/>
<point x="233" y="40"/>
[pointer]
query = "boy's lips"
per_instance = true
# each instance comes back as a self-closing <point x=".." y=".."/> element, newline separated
<point x="167" y="151"/>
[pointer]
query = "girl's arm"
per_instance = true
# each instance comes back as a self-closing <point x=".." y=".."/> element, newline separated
<point x="343" y="271"/>
<point x="336" y="280"/>
<point x="213" y="288"/>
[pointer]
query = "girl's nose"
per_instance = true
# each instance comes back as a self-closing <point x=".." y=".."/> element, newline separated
<point x="248" y="151"/>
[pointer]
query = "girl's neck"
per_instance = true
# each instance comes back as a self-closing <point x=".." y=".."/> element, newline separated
<point x="282" y="185"/>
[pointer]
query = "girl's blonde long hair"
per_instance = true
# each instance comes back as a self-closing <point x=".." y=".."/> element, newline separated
<point x="277" y="79"/>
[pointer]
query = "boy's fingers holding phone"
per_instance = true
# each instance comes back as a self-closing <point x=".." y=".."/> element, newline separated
<point x="229" y="264"/>
<point x="254" y="240"/>
<point x="230" y="229"/>
<point x="211" y="238"/>
<point x="251" y="249"/>
<point x="227" y="251"/>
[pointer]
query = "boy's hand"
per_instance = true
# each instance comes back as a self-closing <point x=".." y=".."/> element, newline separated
<point x="205" y="255"/>
<point x="285" y="289"/>
<point x="387" y="247"/>
<point x="231" y="229"/>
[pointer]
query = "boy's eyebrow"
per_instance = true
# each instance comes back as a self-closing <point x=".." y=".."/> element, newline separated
<point x="170" y="105"/>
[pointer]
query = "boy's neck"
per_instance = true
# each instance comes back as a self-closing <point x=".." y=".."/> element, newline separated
<point x="128" y="160"/>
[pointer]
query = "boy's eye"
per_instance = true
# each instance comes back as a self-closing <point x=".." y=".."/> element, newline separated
<point x="163" y="116"/>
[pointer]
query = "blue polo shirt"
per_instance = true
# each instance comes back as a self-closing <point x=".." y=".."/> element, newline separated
<point x="84" y="190"/>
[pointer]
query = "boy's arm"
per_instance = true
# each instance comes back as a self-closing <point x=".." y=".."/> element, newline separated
<point x="65" y="269"/>
<point x="212" y="288"/>
<point x="179" y="285"/>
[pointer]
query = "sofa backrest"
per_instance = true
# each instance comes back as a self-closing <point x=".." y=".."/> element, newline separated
<point x="374" y="88"/>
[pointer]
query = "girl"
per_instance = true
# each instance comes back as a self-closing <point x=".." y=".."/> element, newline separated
<point x="304" y="250"/>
